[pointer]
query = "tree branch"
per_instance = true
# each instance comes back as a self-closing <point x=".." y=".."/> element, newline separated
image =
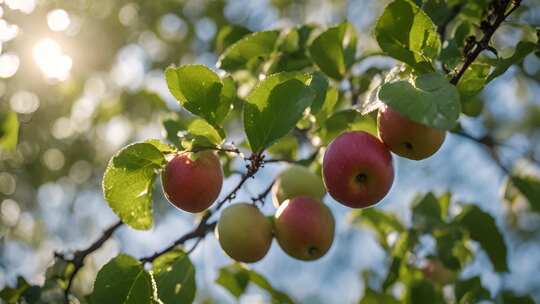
<point x="498" y="12"/>
<point x="80" y="255"/>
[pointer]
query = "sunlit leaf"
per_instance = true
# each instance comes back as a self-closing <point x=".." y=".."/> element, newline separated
<point x="406" y="33"/>
<point x="128" y="182"/>
<point x="175" y="277"/>
<point x="274" y="107"/>
<point x="123" y="280"/>
<point x="249" y="51"/>
<point x="333" y="51"/>
<point x="430" y="100"/>
<point x="201" y="91"/>
<point x="236" y="277"/>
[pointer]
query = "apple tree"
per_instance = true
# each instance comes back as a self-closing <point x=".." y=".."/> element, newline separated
<point x="305" y="97"/>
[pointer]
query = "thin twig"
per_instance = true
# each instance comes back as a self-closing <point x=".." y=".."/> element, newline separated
<point x="262" y="196"/>
<point x="80" y="255"/>
<point x="499" y="13"/>
<point x="256" y="162"/>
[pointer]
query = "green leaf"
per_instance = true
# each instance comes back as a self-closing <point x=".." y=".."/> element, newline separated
<point x="423" y="292"/>
<point x="406" y="33"/>
<point x="228" y="35"/>
<point x="285" y="148"/>
<point x="451" y="248"/>
<point x="529" y="186"/>
<point x="161" y="146"/>
<point x="236" y="277"/>
<point x="277" y="296"/>
<point x="175" y="277"/>
<point x="274" y="107"/>
<point x="523" y="49"/>
<point x="190" y="132"/>
<point x="249" y="51"/>
<point x="201" y="91"/>
<point x="319" y="83"/>
<point x="293" y="51"/>
<point x="333" y="51"/>
<point x="509" y="297"/>
<point x="382" y="222"/>
<point x="470" y="291"/>
<point x="427" y="214"/>
<point x="473" y="80"/>
<point x="406" y="241"/>
<point x="373" y="297"/>
<point x="123" y="280"/>
<point x="431" y="100"/>
<point x="482" y="228"/>
<point x="128" y="181"/>
<point x="347" y="120"/>
<point x="13" y="295"/>
<point x="9" y="130"/>
<point x="330" y="101"/>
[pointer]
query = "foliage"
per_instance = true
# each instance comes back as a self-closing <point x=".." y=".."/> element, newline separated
<point x="276" y="95"/>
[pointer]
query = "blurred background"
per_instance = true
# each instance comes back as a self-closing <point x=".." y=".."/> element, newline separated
<point x="86" y="78"/>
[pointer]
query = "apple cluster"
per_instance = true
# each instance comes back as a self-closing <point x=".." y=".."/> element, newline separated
<point x="357" y="171"/>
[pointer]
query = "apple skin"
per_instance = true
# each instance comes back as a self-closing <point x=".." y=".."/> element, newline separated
<point x="436" y="272"/>
<point x="192" y="182"/>
<point x="304" y="228"/>
<point x="408" y="138"/>
<point x="357" y="169"/>
<point x="244" y="233"/>
<point x="296" y="181"/>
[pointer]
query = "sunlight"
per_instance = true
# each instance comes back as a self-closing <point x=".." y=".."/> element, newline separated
<point x="52" y="62"/>
<point x="58" y="20"/>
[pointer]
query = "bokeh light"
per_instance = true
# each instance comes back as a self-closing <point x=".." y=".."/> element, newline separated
<point x="58" y="20"/>
<point x="51" y="60"/>
<point x="9" y="64"/>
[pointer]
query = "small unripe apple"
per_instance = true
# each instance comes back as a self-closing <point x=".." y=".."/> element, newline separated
<point x="296" y="181"/>
<point x="436" y="272"/>
<point x="244" y="233"/>
<point x="304" y="228"/>
<point x="408" y="138"/>
<point x="192" y="181"/>
<point x="357" y="169"/>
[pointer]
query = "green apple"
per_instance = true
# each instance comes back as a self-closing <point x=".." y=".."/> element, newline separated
<point x="244" y="233"/>
<point x="296" y="181"/>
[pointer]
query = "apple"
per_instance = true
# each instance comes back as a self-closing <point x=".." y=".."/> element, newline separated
<point x="296" y="181"/>
<point x="408" y="138"/>
<point x="244" y="233"/>
<point x="436" y="272"/>
<point x="357" y="169"/>
<point x="192" y="181"/>
<point x="304" y="228"/>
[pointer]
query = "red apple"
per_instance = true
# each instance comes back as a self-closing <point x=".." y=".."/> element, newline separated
<point x="304" y="228"/>
<point x="408" y="138"/>
<point x="244" y="233"/>
<point x="192" y="181"/>
<point x="357" y="169"/>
